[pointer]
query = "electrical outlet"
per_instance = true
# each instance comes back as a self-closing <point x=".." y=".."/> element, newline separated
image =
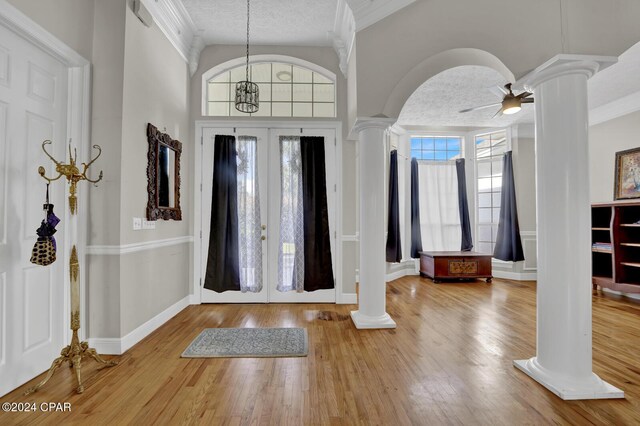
<point x="148" y="224"/>
<point x="137" y="223"/>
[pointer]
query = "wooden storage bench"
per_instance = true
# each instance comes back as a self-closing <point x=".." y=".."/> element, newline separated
<point x="443" y="265"/>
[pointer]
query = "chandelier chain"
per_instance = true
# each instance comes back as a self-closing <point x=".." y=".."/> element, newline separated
<point x="247" y="68"/>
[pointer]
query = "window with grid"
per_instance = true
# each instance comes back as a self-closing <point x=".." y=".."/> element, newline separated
<point x="286" y="90"/>
<point x="436" y="148"/>
<point x="490" y="149"/>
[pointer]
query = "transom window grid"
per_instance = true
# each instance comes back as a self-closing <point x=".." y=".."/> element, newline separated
<point x="436" y="148"/>
<point x="490" y="149"/>
<point x="286" y="90"/>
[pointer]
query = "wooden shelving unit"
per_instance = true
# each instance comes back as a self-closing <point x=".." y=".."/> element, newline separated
<point x="615" y="224"/>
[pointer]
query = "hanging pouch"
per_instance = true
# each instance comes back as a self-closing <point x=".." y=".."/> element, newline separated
<point x="44" y="250"/>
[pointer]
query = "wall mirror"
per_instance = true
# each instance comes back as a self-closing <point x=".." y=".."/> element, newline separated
<point x="163" y="176"/>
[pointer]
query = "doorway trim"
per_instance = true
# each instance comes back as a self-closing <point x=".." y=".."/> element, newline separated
<point x="197" y="187"/>
<point x="78" y="129"/>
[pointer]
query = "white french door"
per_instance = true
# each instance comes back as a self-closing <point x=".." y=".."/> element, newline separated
<point x="33" y="107"/>
<point x="278" y="249"/>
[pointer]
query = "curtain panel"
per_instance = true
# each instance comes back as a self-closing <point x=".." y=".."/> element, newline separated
<point x="223" y="262"/>
<point x="394" y="245"/>
<point x="463" y="206"/>
<point x="416" y="237"/>
<point x="318" y="269"/>
<point x="291" y="247"/>
<point x="439" y="208"/>
<point x="508" y="243"/>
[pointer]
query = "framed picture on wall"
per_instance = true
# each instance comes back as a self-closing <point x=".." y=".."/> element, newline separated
<point x="627" y="178"/>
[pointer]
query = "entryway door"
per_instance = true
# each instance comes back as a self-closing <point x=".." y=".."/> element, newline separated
<point x="33" y="107"/>
<point x="266" y="172"/>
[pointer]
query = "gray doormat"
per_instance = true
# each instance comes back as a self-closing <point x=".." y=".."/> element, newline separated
<point x="248" y="343"/>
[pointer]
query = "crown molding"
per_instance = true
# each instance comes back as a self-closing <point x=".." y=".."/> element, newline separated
<point x="343" y="34"/>
<point x="176" y="24"/>
<point x="368" y="12"/>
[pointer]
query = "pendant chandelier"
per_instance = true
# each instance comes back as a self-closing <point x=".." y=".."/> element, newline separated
<point x="247" y="92"/>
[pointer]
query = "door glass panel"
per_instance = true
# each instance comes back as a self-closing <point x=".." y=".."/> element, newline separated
<point x="249" y="215"/>
<point x="290" y="248"/>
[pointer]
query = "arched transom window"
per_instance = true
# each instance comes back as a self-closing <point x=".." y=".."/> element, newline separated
<point x="286" y="90"/>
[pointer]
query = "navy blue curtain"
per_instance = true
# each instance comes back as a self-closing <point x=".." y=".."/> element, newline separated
<point x="394" y="245"/>
<point x="508" y="243"/>
<point x="416" y="238"/>
<point x="223" y="262"/>
<point x="463" y="206"/>
<point x="318" y="270"/>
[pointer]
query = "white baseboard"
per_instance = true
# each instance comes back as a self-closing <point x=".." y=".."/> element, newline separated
<point x="634" y="296"/>
<point x="115" y="346"/>
<point x="516" y="276"/>
<point x="407" y="267"/>
<point x="347" y="299"/>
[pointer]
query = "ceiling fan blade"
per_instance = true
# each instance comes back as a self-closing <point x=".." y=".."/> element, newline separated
<point x="480" y="107"/>
<point x="498" y="114"/>
<point x="524" y="95"/>
<point x="499" y="91"/>
<point x="526" y="101"/>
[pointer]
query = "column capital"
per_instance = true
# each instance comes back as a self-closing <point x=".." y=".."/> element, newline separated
<point x="363" y="123"/>
<point x="565" y="64"/>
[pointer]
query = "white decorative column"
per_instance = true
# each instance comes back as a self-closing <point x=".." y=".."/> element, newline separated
<point x="371" y="311"/>
<point x="564" y="361"/>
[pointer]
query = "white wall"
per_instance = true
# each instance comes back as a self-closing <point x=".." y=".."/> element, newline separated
<point x="156" y="91"/>
<point x="69" y="20"/>
<point x="520" y="33"/>
<point x="137" y="77"/>
<point x="605" y="139"/>
<point x="325" y="57"/>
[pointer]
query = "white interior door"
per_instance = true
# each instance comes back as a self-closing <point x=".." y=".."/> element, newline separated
<point x="33" y="106"/>
<point x="261" y="152"/>
<point x="276" y="208"/>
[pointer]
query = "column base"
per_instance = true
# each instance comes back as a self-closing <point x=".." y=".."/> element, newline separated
<point x="364" y="321"/>
<point x="591" y="388"/>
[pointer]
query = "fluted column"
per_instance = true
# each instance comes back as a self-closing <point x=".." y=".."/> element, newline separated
<point x="563" y="362"/>
<point x="371" y="311"/>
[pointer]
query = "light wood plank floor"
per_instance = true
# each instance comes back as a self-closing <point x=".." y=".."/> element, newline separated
<point x="448" y="362"/>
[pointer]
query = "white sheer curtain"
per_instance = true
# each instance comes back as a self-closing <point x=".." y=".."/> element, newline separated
<point x="249" y="215"/>
<point x="291" y="247"/>
<point x="439" y="213"/>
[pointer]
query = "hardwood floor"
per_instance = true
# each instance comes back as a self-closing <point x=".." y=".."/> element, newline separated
<point x="448" y="362"/>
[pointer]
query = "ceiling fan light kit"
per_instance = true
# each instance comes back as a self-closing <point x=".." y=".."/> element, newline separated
<point x="511" y="105"/>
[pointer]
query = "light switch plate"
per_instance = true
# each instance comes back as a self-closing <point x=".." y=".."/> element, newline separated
<point x="137" y="223"/>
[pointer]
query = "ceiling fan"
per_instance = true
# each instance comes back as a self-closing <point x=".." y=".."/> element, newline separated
<point x="510" y="103"/>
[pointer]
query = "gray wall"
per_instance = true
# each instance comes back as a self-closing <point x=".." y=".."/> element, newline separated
<point x="325" y="57"/>
<point x="605" y="139"/>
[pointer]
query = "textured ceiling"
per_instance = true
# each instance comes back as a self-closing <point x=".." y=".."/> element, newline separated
<point x="278" y="22"/>
<point x="437" y="101"/>
<point x="617" y="81"/>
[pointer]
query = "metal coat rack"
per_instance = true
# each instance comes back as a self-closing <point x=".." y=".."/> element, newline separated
<point x="76" y="350"/>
